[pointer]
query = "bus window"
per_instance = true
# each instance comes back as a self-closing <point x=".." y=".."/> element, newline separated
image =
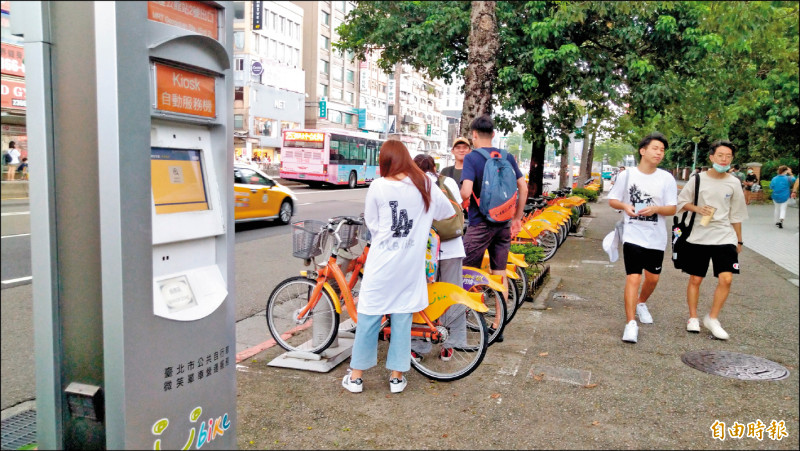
<point x="362" y="150"/>
<point x="335" y="156"/>
<point x="371" y="157"/>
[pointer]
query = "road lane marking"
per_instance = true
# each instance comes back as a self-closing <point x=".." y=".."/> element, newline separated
<point x="15" y="213"/>
<point x="18" y="235"/>
<point x="21" y="279"/>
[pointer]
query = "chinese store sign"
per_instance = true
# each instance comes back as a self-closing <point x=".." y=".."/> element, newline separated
<point x="192" y="16"/>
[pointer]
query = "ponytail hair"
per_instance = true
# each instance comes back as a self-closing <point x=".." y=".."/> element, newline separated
<point x="394" y="159"/>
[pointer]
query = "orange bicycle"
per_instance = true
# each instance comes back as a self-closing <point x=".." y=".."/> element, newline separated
<point x="303" y="312"/>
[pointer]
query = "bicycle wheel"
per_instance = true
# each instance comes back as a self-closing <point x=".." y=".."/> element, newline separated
<point x="522" y="285"/>
<point x="512" y="301"/>
<point x="313" y="333"/>
<point x="563" y="231"/>
<point x="548" y="241"/>
<point x="495" y="316"/>
<point x="465" y="350"/>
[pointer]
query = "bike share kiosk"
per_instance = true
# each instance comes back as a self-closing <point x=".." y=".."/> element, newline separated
<point x="132" y="223"/>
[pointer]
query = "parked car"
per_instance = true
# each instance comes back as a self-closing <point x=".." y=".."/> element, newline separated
<point x="259" y="197"/>
<point x="549" y="174"/>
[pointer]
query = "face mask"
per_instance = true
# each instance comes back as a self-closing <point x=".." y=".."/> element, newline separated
<point x="720" y="168"/>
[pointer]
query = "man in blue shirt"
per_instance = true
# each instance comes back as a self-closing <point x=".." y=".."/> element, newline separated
<point x="481" y="233"/>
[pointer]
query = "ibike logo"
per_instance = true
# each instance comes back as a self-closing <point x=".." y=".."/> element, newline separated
<point x="216" y="427"/>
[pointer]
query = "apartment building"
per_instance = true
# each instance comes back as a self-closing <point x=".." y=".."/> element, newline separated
<point x="415" y="101"/>
<point x="269" y="79"/>
<point x="332" y="75"/>
<point x="373" y="96"/>
<point x="452" y="108"/>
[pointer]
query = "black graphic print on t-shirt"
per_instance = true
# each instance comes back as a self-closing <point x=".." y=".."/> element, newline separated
<point x="401" y="225"/>
<point x="639" y="197"/>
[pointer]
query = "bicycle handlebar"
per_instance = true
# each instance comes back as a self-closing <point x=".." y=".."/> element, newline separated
<point x="358" y="220"/>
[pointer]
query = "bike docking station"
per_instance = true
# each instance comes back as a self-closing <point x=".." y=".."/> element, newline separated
<point x="130" y="109"/>
<point x="339" y="351"/>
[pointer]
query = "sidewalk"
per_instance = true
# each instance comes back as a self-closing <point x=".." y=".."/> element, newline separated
<point x="562" y="378"/>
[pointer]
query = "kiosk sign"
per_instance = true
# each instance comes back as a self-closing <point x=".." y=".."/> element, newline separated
<point x="193" y="16"/>
<point x="181" y="91"/>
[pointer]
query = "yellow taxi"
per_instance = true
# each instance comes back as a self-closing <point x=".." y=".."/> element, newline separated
<point x="258" y="197"/>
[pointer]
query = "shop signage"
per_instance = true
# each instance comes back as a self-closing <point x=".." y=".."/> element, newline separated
<point x="13" y="94"/>
<point x="258" y="11"/>
<point x="193" y="16"/>
<point x="181" y="91"/>
<point x="256" y="68"/>
<point x="13" y="59"/>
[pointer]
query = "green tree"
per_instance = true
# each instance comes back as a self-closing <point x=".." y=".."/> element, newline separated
<point x="614" y="151"/>
<point x="687" y="69"/>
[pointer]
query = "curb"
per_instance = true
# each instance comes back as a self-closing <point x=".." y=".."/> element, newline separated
<point x="540" y="303"/>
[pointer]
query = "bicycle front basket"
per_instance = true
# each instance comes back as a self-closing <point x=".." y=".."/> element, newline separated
<point x="306" y="238"/>
<point x="348" y="233"/>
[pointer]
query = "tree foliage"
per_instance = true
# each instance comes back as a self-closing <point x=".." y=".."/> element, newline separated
<point x="696" y="71"/>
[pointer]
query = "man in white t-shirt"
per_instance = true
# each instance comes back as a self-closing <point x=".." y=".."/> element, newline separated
<point x="646" y="195"/>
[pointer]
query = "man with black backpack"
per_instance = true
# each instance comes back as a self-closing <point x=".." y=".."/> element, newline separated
<point x="497" y="191"/>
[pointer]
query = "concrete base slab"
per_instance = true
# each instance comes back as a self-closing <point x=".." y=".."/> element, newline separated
<point x="320" y="363"/>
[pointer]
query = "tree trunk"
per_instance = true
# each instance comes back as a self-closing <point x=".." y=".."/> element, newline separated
<point x="538" y="147"/>
<point x="583" y="174"/>
<point x="590" y="156"/>
<point x="481" y="71"/>
<point x="563" y="177"/>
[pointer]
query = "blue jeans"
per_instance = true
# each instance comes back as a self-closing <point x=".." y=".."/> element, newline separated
<point x="365" y="346"/>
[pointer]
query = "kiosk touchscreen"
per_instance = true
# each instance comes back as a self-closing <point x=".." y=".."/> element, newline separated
<point x="187" y="217"/>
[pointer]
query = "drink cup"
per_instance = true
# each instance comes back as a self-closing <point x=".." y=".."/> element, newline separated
<point x="707" y="218"/>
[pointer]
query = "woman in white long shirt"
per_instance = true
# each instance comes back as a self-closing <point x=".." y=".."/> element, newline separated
<point x="399" y="210"/>
<point x="451" y="258"/>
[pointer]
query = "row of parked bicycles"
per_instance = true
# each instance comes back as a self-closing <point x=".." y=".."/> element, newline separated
<point x="309" y="311"/>
<point x="549" y="219"/>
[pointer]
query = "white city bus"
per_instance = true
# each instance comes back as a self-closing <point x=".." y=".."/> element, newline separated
<point x="330" y="157"/>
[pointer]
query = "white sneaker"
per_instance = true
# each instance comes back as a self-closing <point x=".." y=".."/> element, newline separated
<point x="643" y="313"/>
<point x="397" y="385"/>
<point x="353" y="386"/>
<point x="631" y="332"/>
<point x="716" y="329"/>
<point x="693" y="325"/>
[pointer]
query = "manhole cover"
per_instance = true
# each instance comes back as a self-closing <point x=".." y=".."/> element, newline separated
<point x="19" y="430"/>
<point x="735" y="365"/>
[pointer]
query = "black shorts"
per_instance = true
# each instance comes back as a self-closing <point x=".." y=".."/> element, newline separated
<point x="724" y="257"/>
<point x="638" y="258"/>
